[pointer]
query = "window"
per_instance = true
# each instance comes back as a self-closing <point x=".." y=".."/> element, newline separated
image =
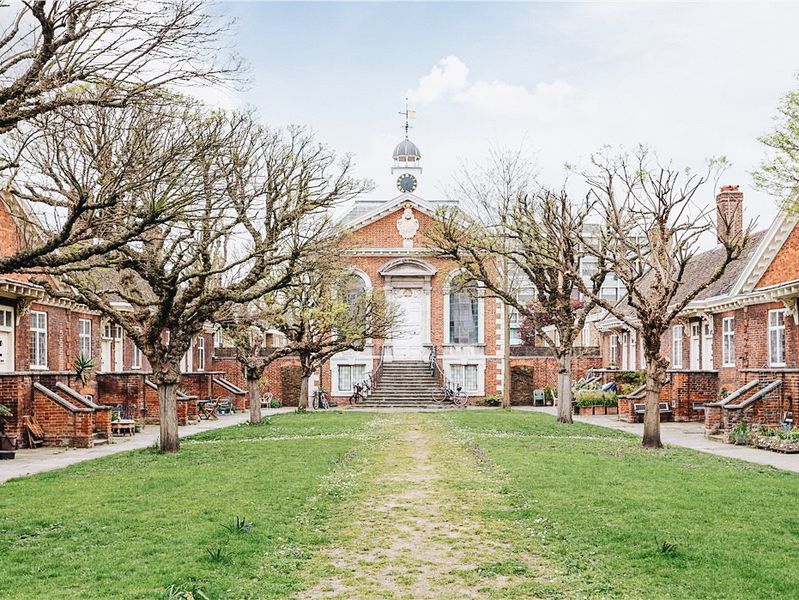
<point x="355" y="287"/>
<point x="776" y="338"/>
<point x="38" y="340"/>
<point x="463" y="316"/>
<point x="676" y="347"/>
<point x="201" y="353"/>
<point x="707" y="346"/>
<point x="464" y="376"/>
<point x="85" y="337"/>
<point x="349" y="375"/>
<point x="6" y="318"/>
<point x="614" y="349"/>
<point x="586" y="341"/>
<point x="136" y="358"/>
<point x="728" y="341"/>
<point x="515" y="319"/>
<point x="218" y="337"/>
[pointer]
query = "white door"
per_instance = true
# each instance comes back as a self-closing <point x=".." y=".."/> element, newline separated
<point x="6" y="340"/>
<point x="707" y="347"/>
<point x="695" y="330"/>
<point x="408" y="338"/>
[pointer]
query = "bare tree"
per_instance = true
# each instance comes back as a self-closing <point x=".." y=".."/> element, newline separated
<point x="523" y="236"/>
<point x="52" y="52"/>
<point x="249" y="328"/>
<point x="248" y="218"/>
<point x="89" y="179"/>
<point x="650" y="232"/>
<point x="324" y="313"/>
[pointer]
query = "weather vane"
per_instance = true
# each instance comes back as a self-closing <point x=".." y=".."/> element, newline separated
<point x="408" y="114"/>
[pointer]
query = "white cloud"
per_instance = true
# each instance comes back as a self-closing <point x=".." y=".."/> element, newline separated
<point x="449" y="80"/>
<point x="448" y="76"/>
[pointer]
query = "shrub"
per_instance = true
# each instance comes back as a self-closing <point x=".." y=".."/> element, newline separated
<point x="592" y="397"/>
<point x="493" y="400"/>
<point x="274" y="403"/>
<point x="740" y="435"/>
<point x="635" y="378"/>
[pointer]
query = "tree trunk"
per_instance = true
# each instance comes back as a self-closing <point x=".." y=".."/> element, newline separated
<point x="167" y="396"/>
<point x="506" y="374"/>
<point x="565" y="385"/>
<point x="255" y="400"/>
<point x="303" y="402"/>
<point x="654" y="377"/>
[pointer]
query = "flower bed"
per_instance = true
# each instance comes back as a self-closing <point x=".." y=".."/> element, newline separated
<point x="775" y="439"/>
<point x="596" y="402"/>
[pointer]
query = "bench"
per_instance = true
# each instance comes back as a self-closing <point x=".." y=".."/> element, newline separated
<point x="123" y="427"/>
<point x="33" y="432"/>
<point x="787" y="420"/>
<point x="639" y="408"/>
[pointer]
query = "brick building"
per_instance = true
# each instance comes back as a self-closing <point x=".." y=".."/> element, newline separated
<point x="464" y="327"/>
<point x="734" y="351"/>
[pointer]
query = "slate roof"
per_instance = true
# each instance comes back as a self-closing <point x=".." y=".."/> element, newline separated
<point x="702" y="266"/>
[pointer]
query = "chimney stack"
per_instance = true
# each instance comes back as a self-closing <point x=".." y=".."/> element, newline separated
<point x="729" y="213"/>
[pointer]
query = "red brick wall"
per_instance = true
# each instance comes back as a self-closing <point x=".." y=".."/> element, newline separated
<point x="784" y="266"/>
<point x="684" y="388"/>
<point x="62" y="427"/>
<point x="534" y="372"/>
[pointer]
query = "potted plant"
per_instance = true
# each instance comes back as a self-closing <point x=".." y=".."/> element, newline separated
<point x="84" y="365"/>
<point x="139" y="425"/>
<point x="8" y="445"/>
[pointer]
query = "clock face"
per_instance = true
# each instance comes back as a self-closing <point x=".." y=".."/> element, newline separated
<point x="406" y="183"/>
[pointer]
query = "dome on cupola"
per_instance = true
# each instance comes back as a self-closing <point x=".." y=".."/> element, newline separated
<point x="406" y="152"/>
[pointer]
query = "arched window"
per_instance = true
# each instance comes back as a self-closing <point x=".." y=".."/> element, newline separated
<point x="464" y="315"/>
<point x="354" y="287"/>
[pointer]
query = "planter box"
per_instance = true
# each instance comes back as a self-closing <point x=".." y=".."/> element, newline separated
<point x="775" y="444"/>
<point x="597" y="409"/>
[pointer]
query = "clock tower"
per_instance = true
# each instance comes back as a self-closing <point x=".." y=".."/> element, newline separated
<point x="407" y="158"/>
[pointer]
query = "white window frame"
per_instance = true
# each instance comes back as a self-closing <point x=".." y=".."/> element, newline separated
<point x="614" y="349"/>
<point x="38" y="360"/>
<point x="776" y="331"/>
<point x="348" y="367"/>
<point x="218" y="338"/>
<point x="728" y="341"/>
<point x="85" y="337"/>
<point x="458" y="375"/>
<point x="201" y="353"/>
<point x="676" y="346"/>
<point x="135" y="357"/>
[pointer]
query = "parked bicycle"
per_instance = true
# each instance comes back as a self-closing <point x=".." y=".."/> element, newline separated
<point x="320" y="400"/>
<point x="445" y="393"/>
<point x="356" y="395"/>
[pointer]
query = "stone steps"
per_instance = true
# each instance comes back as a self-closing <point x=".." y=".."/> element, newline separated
<point x="403" y="385"/>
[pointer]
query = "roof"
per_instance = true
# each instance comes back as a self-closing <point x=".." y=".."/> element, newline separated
<point x="701" y="267"/>
<point x="363" y="211"/>
<point x="406" y="149"/>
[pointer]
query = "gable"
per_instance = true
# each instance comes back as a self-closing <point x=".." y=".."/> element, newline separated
<point x="383" y="231"/>
<point x="784" y="266"/>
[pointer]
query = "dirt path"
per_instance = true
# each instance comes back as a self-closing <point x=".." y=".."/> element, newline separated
<point x="417" y="530"/>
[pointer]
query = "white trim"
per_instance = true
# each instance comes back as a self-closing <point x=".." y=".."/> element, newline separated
<point x="676" y="357"/>
<point x="727" y="359"/>
<point x="766" y="251"/>
<point x="33" y="347"/>
<point x="776" y="328"/>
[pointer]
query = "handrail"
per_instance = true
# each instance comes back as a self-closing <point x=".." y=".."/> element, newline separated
<point x="437" y="371"/>
<point x="373" y="378"/>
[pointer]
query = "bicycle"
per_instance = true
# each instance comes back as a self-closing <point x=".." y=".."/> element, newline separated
<point x="356" y="395"/>
<point x="320" y="400"/>
<point x="446" y="394"/>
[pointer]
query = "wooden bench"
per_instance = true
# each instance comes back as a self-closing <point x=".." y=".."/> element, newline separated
<point x="33" y="432"/>
<point x="123" y="427"/>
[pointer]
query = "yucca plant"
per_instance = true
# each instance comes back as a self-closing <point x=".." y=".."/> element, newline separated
<point x="84" y="365"/>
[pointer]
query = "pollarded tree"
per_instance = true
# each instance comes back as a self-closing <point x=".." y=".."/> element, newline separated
<point x="246" y="222"/>
<point x="51" y="53"/>
<point x="525" y="236"/>
<point x="89" y="178"/>
<point x="325" y="312"/>
<point x="649" y="232"/>
<point x="74" y="57"/>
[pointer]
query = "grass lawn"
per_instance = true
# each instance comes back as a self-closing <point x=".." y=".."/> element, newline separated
<point x="466" y="504"/>
<point x="606" y="510"/>
<point x="136" y="524"/>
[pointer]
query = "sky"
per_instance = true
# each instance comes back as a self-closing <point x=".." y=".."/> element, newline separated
<point x="561" y="80"/>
